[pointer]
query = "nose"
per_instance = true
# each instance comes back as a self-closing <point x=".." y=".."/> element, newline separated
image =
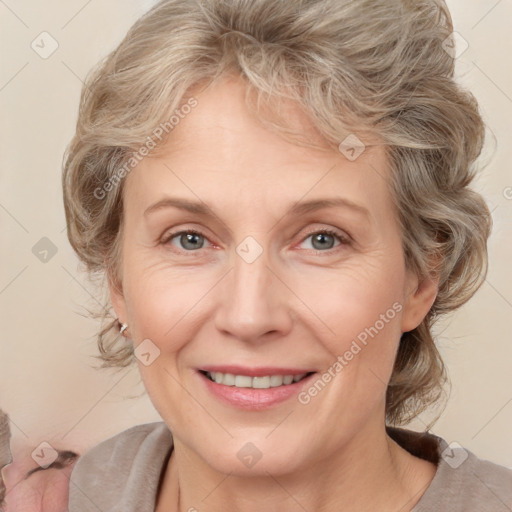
<point x="253" y="304"/>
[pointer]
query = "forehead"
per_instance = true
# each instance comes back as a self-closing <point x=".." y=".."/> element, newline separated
<point x="220" y="153"/>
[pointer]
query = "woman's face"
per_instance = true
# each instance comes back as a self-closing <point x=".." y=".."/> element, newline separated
<point x="262" y="290"/>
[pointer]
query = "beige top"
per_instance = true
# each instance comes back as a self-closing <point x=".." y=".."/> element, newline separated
<point x="122" y="474"/>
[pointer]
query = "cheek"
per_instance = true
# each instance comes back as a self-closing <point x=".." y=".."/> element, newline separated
<point x="352" y="300"/>
<point x="163" y="301"/>
<point x="160" y="301"/>
<point x="165" y="306"/>
<point x="360" y="308"/>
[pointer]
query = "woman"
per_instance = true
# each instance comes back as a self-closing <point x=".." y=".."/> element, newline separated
<point x="217" y="149"/>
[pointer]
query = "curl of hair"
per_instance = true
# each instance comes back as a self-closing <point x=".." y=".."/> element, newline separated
<point x="376" y="68"/>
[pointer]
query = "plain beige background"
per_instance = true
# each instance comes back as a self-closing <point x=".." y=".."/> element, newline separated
<point x="47" y="384"/>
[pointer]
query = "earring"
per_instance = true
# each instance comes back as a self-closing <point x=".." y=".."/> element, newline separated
<point x="123" y="328"/>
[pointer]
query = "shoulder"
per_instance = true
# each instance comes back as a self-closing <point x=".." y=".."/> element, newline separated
<point x="463" y="482"/>
<point x="120" y="470"/>
<point x="127" y="446"/>
<point x="484" y="483"/>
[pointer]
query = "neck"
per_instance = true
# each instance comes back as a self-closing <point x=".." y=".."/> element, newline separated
<point x="371" y="473"/>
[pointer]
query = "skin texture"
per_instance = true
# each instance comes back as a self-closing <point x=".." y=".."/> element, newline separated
<point x="293" y="306"/>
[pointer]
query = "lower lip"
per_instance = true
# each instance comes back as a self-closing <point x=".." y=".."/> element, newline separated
<point x="251" y="398"/>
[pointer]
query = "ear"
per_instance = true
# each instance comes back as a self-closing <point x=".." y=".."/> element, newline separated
<point x="420" y="295"/>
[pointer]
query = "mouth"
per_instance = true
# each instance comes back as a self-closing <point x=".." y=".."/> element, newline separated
<point x="257" y="382"/>
<point x="254" y="388"/>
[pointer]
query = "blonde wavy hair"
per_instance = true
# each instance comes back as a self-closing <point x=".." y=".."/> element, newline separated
<point x="376" y="68"/>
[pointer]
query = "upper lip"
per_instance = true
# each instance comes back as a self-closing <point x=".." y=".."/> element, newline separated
<point x="259" y="371"/>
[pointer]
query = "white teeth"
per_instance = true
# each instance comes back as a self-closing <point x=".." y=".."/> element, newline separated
<point x="244" y="381"/>
<point x="241" y="381"/>
<point x="287" y="379"/>
<point x="228" y="379"/>
<point x="261" y="382"/>
<point x="276" y="380"/>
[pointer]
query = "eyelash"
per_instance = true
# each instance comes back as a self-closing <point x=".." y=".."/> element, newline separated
<point x="344" y="240"/>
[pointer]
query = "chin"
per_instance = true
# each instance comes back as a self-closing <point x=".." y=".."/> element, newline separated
<point x="254" y="456"/>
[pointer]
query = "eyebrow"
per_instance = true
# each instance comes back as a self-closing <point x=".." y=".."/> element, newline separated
<point x="299" y="208"/>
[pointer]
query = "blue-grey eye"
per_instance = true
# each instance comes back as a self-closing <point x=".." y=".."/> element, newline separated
<point x="190" y="240"/>
<point x="186" y="240"/>
<point x="324" y="240"/>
